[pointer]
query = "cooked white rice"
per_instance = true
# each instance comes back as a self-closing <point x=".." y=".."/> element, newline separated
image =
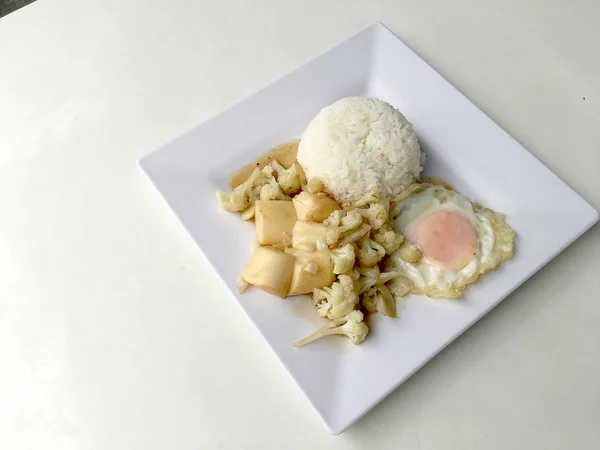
<point x="359" y="145"/>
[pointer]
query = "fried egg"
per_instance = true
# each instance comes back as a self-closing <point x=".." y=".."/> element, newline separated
<point x="450" y="241"/>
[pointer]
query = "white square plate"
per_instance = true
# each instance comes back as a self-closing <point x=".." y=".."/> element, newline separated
<point x="463" y="145"/>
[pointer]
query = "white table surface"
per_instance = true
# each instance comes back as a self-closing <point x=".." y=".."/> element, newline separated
<point x="106" y="307"/>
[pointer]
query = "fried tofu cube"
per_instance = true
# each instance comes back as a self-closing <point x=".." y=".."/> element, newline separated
<point x="270" y="270"/>
<point x="306" y="234"/>
<point x="314" y="207"/>
<point x="311" y="270"/>
<point x="274" y="221"/>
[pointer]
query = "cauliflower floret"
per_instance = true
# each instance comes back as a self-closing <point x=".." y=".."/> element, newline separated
<point x="268" y="173"/>
<point x="376" y="215"/>
<point x="338" y="300"/>
<point x="384" y="277"/>
<point x="272" y="191"/>
<point x="234" y="201"/>
<point x="351" y="220"/>
<point x="388" y="239"/>
<point x="288" y="179"/>
<point x="246" y="193"/>
<point x="371" y="272"/>
<point x="353" y="236"/>
<point x="335" y="218"/>
<point x="355" y="274"/>
<point x="351" y="326"/>
<point x="343" y="258"/>
<point x="366" y="283"/>
<point x="379" y="299"/>
<point x="349" y="223"/>
<point x="346" y="219"/>
<point x="369" y="252"/>
<point x="314" y="186"/>
<point x="369" y="277"/>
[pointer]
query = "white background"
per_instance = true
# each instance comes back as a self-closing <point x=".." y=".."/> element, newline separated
<point x="102" y="293"/>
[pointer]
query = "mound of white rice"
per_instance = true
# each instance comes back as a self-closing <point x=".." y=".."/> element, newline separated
<point x="359" y="145"/>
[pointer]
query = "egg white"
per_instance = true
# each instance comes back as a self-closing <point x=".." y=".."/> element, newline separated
<point x="495" y="242"/>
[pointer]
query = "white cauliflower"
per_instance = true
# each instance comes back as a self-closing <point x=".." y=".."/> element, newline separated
<point x="369" y="252"/>
<point x="388" y="239"/>
<point x="355" y="274"/>
<point x="351" y="326"/>
<point x="379" y="299"/>
<point x="246" y="193"/>
<point x="314" y="186"/>
<point x="368" y="277"/>
<point x="384" y="277"/>
<point x="288" y="179"/>
<point x="355" y="235"/>
<point x="272" y="191"/>
<point x="371" y="276"/>
<point x="343" y="259"/>
<point x="376" y="215"/>
<point x="345" y="219"/>
<point x="349" y="223"/>
<point x="338" y="300"/>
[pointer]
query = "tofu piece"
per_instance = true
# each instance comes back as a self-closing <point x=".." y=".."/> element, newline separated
<point x="314" y="207"/>
<point x="270" y="270"/>
<point x="304" y="281"/>
<point x="306" y="234"/>
<point x="274" y="221"/>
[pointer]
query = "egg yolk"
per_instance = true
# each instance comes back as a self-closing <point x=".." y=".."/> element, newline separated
<point x="446" y="239"/>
